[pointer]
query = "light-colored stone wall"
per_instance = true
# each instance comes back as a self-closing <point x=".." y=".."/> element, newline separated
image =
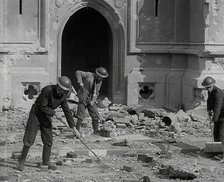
<point x="171" y="52"/>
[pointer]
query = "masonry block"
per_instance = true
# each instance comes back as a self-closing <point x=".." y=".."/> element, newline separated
<point x="121" y="125"/>
<point x="16" y="154"/>
<point x="89" y="160"/>
<point x="71" y="155"/>
<point x="164" y="170"/>
<point x="122" y="142"/>
<point x="59" y="163"/>
<point x="127" y="168"/>
<point x="214" y="147"/>
<point x="105" y="133"/>
<point x="43" y="167"/>
<point x="144" y="158"/>
<point x="131" y="180"/>
<point x="2" y="142"/>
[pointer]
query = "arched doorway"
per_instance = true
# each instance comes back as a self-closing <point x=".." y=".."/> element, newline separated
<point x="86" y="45"/>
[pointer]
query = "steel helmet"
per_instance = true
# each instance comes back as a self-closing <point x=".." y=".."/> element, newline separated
<point x="102" y="72"/>
<point x="208" y="81"/>
<point x="64" y="82"/>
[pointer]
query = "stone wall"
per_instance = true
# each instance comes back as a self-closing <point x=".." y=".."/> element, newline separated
<point x="161" y="50"/>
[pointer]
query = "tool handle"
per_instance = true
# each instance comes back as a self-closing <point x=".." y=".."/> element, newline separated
<point x="97" y="112"/>
<point x="80" y="140"/>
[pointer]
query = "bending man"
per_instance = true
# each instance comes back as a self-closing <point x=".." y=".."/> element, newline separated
<point x="90" y="84"/>
<point x="50" y="98"/>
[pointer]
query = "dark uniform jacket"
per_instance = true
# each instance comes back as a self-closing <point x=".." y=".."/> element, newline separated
<point x="48" y="100"/>
<point x="91" y="87"/>
<point x="215" y="103"/>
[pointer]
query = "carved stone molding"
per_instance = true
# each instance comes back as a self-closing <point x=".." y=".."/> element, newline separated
<point x="119" y="7"/>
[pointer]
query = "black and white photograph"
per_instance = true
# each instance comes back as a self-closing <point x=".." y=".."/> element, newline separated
<point x="111" y="90"/>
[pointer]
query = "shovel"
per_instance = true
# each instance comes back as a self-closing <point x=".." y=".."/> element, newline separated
<point x="104" y="165"/>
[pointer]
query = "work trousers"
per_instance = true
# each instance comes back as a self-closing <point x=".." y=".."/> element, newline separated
<point x="218" y="131"/>
<point x="38" y="120"/>
<point x="81" y="111"/>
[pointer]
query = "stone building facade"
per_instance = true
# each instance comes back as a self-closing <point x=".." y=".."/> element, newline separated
<point x="157" y="52"/>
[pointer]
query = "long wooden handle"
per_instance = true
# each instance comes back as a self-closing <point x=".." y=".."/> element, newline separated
<point x="81" y="140"/>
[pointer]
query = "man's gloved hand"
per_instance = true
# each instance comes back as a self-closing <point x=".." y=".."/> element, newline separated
<point x="76" y="132"/>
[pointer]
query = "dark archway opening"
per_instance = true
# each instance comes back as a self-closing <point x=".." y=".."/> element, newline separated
<point x="86" y="45"/>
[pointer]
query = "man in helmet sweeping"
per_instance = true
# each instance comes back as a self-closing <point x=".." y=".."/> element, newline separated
<point x="90" y="84"/>
<point x="215" y="108"/>
<point x="50" y="98"/>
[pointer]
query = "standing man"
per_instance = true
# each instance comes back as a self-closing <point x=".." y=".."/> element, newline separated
<point x="90" y="84"/>
<point x="215" y="108"/>
<point x="50" y="98"/>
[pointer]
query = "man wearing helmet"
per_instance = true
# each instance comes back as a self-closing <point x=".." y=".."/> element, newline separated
<point x="50" y="98"/>
<point x="90" y="84"/>
<point x="215" y="108"/>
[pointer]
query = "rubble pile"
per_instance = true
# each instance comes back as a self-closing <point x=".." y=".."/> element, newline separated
<point x="138" y="143"/>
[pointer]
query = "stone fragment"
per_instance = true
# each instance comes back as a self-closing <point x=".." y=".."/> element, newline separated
<point x="131" y="180"/>
<point x="174" y="174"/>
<point x="121" y="125"/>
<point x="59" y="163"/>
<point x="89" y="160"/>
<point x="121" y="142"/>
<point x="164" y="170"/>
<point x="127" y="168"/>
<point x="144" y="158"/>
<point x="71" y="155"/>
<point x="105" y="133"/>
<point x="16" y="154"/>
<point x="2" y="142"/>
<point x="213" y="147"/>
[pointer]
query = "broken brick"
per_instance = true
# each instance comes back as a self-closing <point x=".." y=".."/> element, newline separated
<point x="144" y="158"/>
<point x="71" y="155"/>
<point x="121" y="125"/>
<point x="89" y="161"/>
<point x="59" y="163"/>
<point x="16" y="154"/>
<point x="131" y="180"/>
<point x="127" y="168"/>
<point x="213" y="147"/>
<point x="105" y="133"/>
<point x="164" y="170"/>
<point x="122" y="142"/>
<point x="2" y="142"/>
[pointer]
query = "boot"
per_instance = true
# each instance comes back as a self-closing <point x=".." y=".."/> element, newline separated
<point x="95" y="124"/>
<point x="78" y="124"/>
<point x="22" y="158"/>
<point x="46" y="158"/>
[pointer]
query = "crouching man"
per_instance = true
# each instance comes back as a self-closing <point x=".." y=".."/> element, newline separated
<point x="50" y="98"/>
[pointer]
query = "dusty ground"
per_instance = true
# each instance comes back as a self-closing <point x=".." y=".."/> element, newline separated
<point x="205" y="167"/>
